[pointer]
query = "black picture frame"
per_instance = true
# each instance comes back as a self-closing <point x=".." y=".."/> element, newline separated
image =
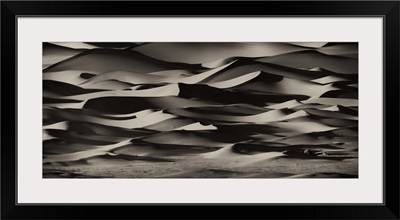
<point x="11" y="10"/>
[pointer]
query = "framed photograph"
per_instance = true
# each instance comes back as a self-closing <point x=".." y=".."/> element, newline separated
<point x="246" y="110"/>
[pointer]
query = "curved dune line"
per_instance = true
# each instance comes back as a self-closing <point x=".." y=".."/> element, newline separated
<point x="233" y="110"/>
<point x="172" y="73"/>
<point x="188" y="138"/>
<point x="236" y="81"/>
<point x="160" y="150"/>
<point x="142" y="121"/>
<point x="309" y="44"/>
<point x="350" y="55"/>
<point x="111" y="84"/>
<point x="114" y="45"/>
<point x="312" y="59"/>
<point x="217" y="63"/>
<point x="52" y="89"/>
<point x="270" y="116"/>
<point x="87" y="128"/>
<point x="201" y="76"/>
<point x="340" y="49"/>
<point x="348" y="110"/>
<point x="330" y="114"/>
<point x="198" y="53"/>
<point x="124" y="76"/>
<point x="329" y="79"/>
<point x="63" y="125"/>
<point x="225" y="152"/>
<point x="92" y="139"/>
<point x="289" y="104"/>
<point x="75" y="45"/>
<point x="53" y="54"/>
<point x="151" y="78"/>
<point x="171" y="124"/>
<point x="196" y="127"/>
<point x="234" y="96"/>
<point x="102" y="150"/>
<point x="333" y="108"/>
<point x="228" y="154"/>
<point x="139" y="122"/>
<point x="107" y="60"/>
<point x="167" y="90"/>
<point x="332" y="101"/>
<point x="297" y="114"/>
<point x="339" y="122"/>
<point x="149" y="119"/>
<point x="66" y="105"/>
<point x="242" y="67"/>
<point x="312" y="138"/>
<point x="334" y="121"/>
<point x="304" y="127"/>
<point x="125" y="105"/>
<point x="133" y="114"/>
<point x="289" y="86"/>
<point x="67" y="76"/>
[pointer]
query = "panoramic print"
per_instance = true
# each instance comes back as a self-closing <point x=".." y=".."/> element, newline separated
<point x="200" y="109"/>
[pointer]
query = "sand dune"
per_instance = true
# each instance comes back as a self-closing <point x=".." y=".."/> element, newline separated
<point x="274" y="72"/>
<point x="136" y="122"/>
<point x="227" y="153"/>
<point x="116" y="45"/>
<point x="83" y="154"/>
<point x="167" y="90"/>
<point x="184" y="138"/>
<point x="328" y="79"/>
<point x="330" y="114"/>
<point x="124" y="105"/>
<point x="53" y="53"/>
<point x="304" y="127"/>
<point x="340" y="50"/>
<point x="123" y="76"/>
<point x="161" y="77"/>
<point x="287" y="104"/>
<point x="309" y="44"/>
<point x="236" y="81"/>
<point x="312" y="59"/>
<point x="200" y="110"/>
<point x="62" y="89"/>
<point x="231" y="96"/>
<point x="270" y="116"/>
<point x="143" y="148"/>
<point x="323" y="175"/>
<point x="105" y="60"/>
<point x="196" y="127"/>
<point x="289" y="86"/>
<point x="72" y="77"/>
<point x="198" y="53"/>
<point x="75" y="45"/>
<point x="229" y="110"/>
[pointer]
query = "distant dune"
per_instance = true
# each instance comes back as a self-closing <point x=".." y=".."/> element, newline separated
<point x="200" y="110"/>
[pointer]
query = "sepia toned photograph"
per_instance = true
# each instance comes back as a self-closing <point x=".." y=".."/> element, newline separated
<point x="200" y="109"/>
